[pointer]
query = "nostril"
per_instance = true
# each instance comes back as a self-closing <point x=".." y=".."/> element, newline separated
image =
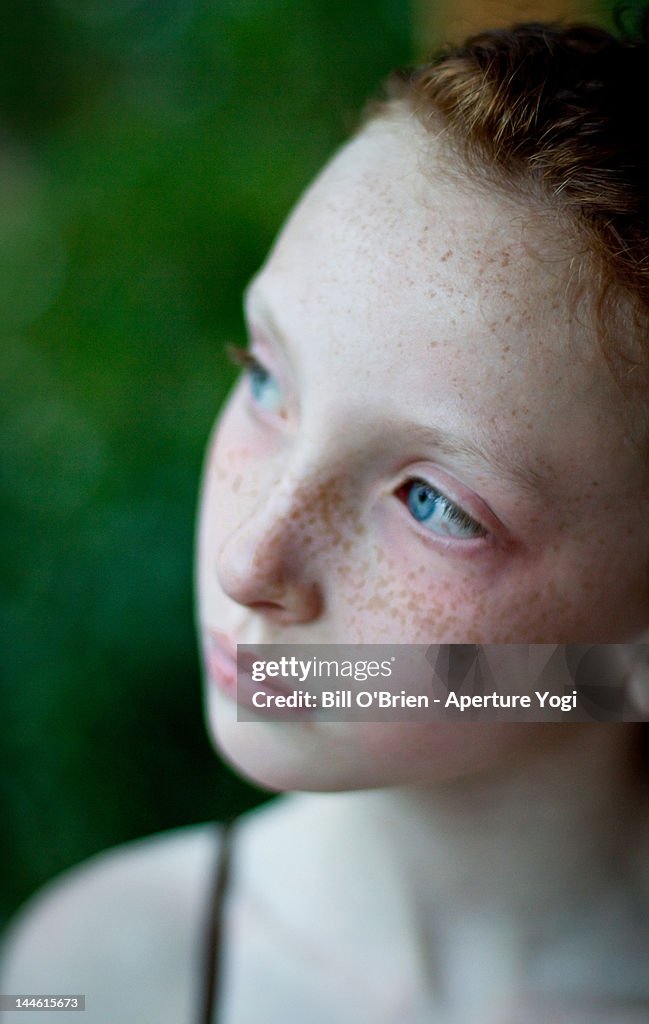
<point x="276" y="591"/>
<point x="261" y="569"/>
<point x="264" y="606"/>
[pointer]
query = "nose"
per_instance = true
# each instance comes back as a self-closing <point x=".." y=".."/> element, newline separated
<point x="272" y="561"/>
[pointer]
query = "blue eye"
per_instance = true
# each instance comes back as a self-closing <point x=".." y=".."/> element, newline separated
<point x="264" y="389"/>
<point x="438" y="513"/>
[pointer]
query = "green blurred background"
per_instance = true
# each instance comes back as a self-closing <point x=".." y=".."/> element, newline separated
<point x="150" y="149"/>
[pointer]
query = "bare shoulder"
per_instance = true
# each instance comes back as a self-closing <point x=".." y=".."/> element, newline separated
<point x="124" y="928"/>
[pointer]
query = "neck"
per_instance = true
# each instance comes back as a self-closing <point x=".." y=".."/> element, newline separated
<point x="539" y="836"/>
<point x="484" y="879"/>
<point x="476" y="888"/>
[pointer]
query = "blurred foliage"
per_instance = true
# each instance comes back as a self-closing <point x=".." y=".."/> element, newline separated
<point x="150" y="151"/>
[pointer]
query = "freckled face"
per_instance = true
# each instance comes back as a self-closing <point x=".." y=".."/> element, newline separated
<point x="427" y="448"/>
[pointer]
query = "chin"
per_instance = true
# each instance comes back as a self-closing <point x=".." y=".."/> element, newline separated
<point x="294" y="756"/>
<point x="330" y="757"/>
<point x="276" y="756"/>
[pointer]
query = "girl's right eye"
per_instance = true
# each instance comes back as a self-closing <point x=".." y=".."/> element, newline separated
<point x="264" y="389"/>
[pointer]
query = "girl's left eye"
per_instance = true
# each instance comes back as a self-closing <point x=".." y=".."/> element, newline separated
<point x="438" y="513"/>
<point x="264" y="389"/>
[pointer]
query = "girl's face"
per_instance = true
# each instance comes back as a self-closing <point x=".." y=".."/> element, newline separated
<point x="426" y="446"/>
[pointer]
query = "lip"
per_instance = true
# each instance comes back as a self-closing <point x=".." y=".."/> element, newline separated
<point x="221" y="661"/>
<point x="230" y="671"/>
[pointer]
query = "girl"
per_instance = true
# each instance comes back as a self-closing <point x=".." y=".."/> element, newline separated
<point x="440" y="437"/>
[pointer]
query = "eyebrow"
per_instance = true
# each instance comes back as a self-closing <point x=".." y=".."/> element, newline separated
<point x="521" y="472"/>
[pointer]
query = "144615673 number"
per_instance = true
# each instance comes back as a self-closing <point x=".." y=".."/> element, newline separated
<point x="42" y="1002"/>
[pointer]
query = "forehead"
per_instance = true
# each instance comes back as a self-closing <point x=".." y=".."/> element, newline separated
<point x="425" y="255"/>
<point x="441" y="296"/>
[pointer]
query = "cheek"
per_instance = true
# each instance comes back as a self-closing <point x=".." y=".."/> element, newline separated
<point x="398" y="597"/>
<point x="404" y="590"/>
<point x="227" y="479"/>
<point x="232" y="470"/>
<point x="398" y="592"/>
<point x="572" y="597"/>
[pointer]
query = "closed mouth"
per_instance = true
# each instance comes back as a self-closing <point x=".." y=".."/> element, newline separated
<point x="231" y="672"/>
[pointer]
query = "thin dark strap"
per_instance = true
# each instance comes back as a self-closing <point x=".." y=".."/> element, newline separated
<point x="212" y="972"/>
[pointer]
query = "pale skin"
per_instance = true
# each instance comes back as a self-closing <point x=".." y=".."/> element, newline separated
<point x="412" y="331"/>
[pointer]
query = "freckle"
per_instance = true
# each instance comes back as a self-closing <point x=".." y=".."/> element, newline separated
<point x="237" y="484"/>
<point x="446" y="256"/>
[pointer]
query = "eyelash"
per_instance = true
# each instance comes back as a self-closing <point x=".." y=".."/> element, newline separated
<point x="245" y="360"/>
<point x="454" y="513"/>
<point x="252" y="367"/>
